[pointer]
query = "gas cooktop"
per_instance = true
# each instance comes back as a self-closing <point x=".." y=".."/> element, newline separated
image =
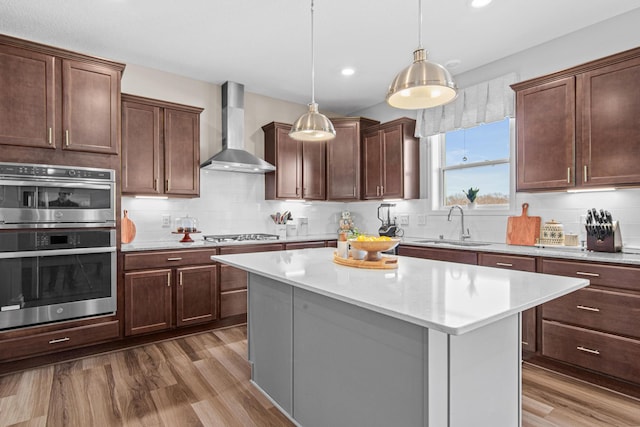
<point x="218" y="238"/>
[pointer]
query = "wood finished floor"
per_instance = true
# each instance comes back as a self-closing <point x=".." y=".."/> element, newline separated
<point x="203" y="380"/>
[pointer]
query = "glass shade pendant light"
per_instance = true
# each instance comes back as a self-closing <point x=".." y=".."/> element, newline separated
<point x="312" y="126"/>
<point x="423" y="84"/>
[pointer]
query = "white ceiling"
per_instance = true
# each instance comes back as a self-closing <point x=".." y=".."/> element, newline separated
<point x="266" y="44"/>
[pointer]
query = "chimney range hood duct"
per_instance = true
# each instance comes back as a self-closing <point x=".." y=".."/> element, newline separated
<point x="233" y="157"/>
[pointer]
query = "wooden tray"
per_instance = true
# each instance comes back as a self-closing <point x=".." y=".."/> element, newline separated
<point x="384" y="263"/>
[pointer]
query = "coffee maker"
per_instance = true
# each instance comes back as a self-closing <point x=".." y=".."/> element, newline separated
<point x="388" y="228"/>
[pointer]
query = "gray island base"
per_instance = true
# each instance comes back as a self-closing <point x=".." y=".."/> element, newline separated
<point x="429" y="344"/>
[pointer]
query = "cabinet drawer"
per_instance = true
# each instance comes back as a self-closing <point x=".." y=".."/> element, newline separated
<point x="245" y="249"/>
<point x="598" y="274"/>
<point x="164" y="259"/>
<point x="451" y="255"/>
<point x="598" y="351"/>
<point x="607" y="311"/>
<point x="303" y="245"/>
<point x="232" y="278"/>
<point x="63" y="339"/>
<point x="233" y="303"/>
<point x="511" y="262"/>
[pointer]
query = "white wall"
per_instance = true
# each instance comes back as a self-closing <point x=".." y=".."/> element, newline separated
<point x="234" y="203"/>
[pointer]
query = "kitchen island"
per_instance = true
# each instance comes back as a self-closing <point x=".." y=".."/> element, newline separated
<point x="428" y="344"/>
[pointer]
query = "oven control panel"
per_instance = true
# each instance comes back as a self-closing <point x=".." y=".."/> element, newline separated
<point x="49" y="171"/>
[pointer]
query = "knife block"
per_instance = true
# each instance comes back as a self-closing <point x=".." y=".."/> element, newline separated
<point x="611" y="242"/>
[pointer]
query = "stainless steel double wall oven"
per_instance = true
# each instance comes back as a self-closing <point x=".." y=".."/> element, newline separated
<point x="57" y="243"/>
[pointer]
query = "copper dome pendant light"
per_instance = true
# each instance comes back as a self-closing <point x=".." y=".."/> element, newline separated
<point x="423" y="84"/>
<point x="312" y="126"/>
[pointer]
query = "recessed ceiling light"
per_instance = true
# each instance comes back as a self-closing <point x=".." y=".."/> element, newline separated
<point x="452" y="64"/>
<point x="348" y="71"/>
<point x="480" y="3"/>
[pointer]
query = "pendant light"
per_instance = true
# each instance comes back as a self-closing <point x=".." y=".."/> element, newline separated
<point x="423" y="84"/>
<point x="312" y="126"/>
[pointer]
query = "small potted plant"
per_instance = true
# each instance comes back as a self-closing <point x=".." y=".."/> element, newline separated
<point x="471" y="194"/>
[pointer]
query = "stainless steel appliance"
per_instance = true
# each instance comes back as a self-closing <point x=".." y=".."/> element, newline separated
<point x="51" y="275"/>
<point x="40" y="196"/>
<point x="57" y="243"/>
<point x="389" y="227"/>
<point x="221" y="238"/>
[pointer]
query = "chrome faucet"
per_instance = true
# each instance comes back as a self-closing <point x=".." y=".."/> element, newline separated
<point x="463" y="235"/>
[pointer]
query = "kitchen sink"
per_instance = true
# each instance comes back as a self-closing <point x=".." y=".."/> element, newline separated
<point x="453" y="242"/>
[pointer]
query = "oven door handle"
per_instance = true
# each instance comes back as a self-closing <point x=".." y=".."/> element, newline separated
<point x="56" y="252"/>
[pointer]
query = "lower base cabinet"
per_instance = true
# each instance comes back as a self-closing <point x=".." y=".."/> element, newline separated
<point x="59" y="340"/>
<point x="160" y="298"/>
<point x="233" y="281"/>
<point x="520" y="263"/>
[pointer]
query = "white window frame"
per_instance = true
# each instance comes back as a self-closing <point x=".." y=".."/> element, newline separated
<point x="436" y="174"/>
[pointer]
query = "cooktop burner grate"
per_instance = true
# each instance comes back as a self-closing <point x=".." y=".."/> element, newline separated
<point x="239" y="237"/>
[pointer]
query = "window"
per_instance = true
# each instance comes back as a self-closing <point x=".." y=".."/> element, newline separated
<point x="477" y="157"/>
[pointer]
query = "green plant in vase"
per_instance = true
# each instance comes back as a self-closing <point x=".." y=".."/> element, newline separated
<point x="471" y="194"/>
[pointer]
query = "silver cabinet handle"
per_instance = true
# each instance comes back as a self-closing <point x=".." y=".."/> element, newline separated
<point x="175" y="259"/>
<point x="504" y="264"/>
<point x="524" y="343"/>
<point x="167" y="185"/>
<point x="568" y="175"/>
<point x="169" y="279"/>
<point x="50" y="136"/>
<point x="587" y="350"/>
<point x="584" y="307"/>
<point x="585" y="173"/>
<point x="354" y="191"/>
<point x="59" y="340"/>
<point x="181" y="278"/>
<point x="66" y="137"/>
<point x="584" y="273"/>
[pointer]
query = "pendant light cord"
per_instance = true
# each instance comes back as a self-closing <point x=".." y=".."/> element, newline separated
<point x="313" y="62"/>
<point x="419" y="24"/>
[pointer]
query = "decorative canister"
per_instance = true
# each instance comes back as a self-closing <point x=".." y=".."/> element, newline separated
<point x="552" y="233"/>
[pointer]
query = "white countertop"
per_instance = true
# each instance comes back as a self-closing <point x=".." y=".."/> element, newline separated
<point x="449" y="297"/>
<point x="567" y="252"/>
<point x="199" y="242"/>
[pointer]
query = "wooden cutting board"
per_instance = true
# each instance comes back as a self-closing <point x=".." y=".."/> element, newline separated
<point x="127" y="229"/>
<point x="523" y="229"/>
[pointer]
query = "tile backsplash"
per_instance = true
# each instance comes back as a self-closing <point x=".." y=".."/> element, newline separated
<point x="234" y="203"/>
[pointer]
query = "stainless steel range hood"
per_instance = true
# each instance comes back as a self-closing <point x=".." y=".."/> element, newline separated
<point x="233" y="157"/>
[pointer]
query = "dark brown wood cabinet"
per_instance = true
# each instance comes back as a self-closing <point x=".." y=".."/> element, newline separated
<point x="300" y="165"/>
<point x="343" y="158"/>
<point x="597" y="327"/>
<point x="579" y="127"/>
<point x="233" y="281"/>
<point x="160" y="147"/>
<point x="391" y="161"/>
<point x="62" y="100"/>
<point x="450" y="255"/>
<point x="521" y="263"/>
<point x="167" y="289"/>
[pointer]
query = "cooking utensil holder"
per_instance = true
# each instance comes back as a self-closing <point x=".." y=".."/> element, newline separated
<point x="604" y="237"/>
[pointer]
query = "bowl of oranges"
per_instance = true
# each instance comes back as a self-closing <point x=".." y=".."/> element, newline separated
<point x="373" y="245"/>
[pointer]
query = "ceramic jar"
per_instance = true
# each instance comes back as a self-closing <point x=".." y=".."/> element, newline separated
<point x="552" y="233"/>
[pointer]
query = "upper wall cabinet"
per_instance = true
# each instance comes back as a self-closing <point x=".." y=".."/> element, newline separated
<point x="160" y="147"/>
<point x="300" y="166"/>
<point x="580" y="127"/>
<point x="55" y="99"/>
<point x="343" y="158"/>
<point x="391" y="159"/>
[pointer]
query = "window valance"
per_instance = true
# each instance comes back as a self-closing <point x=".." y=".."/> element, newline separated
<point x="482" y="103"/>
